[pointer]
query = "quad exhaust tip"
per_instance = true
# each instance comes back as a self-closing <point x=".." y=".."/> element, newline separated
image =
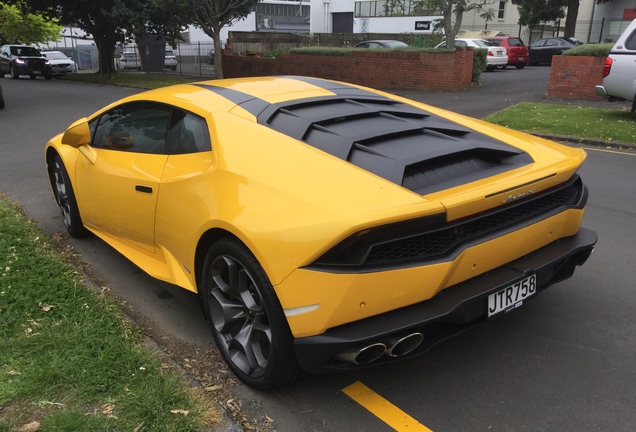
<point x="373" y="352"/>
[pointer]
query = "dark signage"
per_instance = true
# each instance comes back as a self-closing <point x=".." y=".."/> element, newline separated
<point x="422" y="25"/>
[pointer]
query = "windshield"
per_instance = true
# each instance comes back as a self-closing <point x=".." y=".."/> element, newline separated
<point x="25" y="51"/>
<point x="483" y="43"/>
<point x="55" y="56"/>
<point x="395" y="44"/>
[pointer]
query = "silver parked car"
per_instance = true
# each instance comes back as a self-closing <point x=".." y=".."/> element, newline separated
<point x="619" y="73"/>
<point x="61" y="64"/>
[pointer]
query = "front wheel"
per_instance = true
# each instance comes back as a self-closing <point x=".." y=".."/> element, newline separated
<point x="65" y="197"/>
<point x="247" y="321"/>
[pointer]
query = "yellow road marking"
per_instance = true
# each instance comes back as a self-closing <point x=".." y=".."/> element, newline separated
<point x="624" y="152"/>
<point x="383" y="409"/>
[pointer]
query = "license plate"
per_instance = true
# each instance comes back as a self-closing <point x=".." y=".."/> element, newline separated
<point x="520" y="58"/>
<point x="512" y="296"/>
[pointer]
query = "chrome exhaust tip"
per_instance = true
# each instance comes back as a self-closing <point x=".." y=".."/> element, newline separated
<point x="365" y="355"/>
<point x="405" y="345"/>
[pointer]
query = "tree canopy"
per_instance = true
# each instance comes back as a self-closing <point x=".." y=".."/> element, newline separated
<point x="211" y="16"/>
<point x="453" y="12"/>
<point x="112" y="21"/>
<point x="18" y="26"/>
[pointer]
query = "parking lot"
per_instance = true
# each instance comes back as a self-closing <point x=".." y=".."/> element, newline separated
<point x="563" y="362"/>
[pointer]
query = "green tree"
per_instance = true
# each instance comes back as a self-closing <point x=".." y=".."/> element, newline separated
<point x="453" y="13"/>
<point x="17" y="26"/>
<point x="211" y="16"/>
<point x="111" y="21"/>
<point x="534" y="12"/>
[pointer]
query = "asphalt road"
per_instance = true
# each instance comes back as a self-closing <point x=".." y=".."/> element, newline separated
<point x="563" y="362"/>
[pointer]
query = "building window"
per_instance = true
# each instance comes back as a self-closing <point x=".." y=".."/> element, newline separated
<point x="501" y="12"/>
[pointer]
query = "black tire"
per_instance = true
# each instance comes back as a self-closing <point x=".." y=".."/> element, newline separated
<point x="13" y="73"/>
<point x="502" y="67"/>
<point x="520" y="66"/>
<point x="65" y="198"/>
<point x="490" y="68"/>
<point x="247" y="321"/>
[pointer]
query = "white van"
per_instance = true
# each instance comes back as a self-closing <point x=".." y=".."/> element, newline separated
<point x="619" y="74"/>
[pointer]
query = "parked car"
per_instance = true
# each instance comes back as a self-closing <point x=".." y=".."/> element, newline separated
<point x="17" y="60"/>
<point x="127" y="60"/>
<point x="619" y="73"/>
<point x="61" y="64"/>
<point x="381" y="44"/>
<point x="170" y="60"/>
<point x="517" y="50"/>
<point x="542" y="50"/>
<point x="497" y="56"/>
<point x="330" y="226"/>
<point x="1" y="98"/>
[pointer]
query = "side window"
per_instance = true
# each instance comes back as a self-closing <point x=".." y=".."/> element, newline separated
<point x="136" y="127"/>
<point x="187" y="133"/>
<point x="551" y="42"/>
<point x="460" y="43"/>
<point x="630" y="42"/>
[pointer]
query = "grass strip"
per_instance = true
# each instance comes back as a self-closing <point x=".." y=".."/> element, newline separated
<point x="68" y="359"/>
<point x="611" y="125"/>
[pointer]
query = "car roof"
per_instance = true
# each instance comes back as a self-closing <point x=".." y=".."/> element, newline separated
<point x="343" y="120"/>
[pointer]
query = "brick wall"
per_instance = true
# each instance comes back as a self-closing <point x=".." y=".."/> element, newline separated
<point x="388" y="70"/>
<point x="574" y="77"/>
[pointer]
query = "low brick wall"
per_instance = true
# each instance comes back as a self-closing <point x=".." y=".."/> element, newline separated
<point x="574" y="77"/>
<point x="382" y="70"/>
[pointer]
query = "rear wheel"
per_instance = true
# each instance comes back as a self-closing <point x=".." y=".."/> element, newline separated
<point x="247" y="321"/>
<point x="65" y="197"/>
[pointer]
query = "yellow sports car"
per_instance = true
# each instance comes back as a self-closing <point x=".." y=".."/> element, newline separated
<point x="324" y="225"/>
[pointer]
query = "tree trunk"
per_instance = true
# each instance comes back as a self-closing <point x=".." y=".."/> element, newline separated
<point x="218" y="51"/>
<point x="571" y="17"/>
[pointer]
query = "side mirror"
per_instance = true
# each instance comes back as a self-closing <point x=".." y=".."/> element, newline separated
<point x="77" y="134"/>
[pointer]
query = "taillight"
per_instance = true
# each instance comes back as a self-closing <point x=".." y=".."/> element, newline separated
<point x="607" y="67"/>
<point x="490" y="53"/>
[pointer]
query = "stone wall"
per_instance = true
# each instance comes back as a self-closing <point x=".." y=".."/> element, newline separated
<point x="390" y="70"/>
<point x="574" y="77"/>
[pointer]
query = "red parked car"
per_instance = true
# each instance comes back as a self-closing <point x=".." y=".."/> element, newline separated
<point x="517" y="51"/>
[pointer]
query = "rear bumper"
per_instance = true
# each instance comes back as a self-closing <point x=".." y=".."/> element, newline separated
<point x="450" y="312"/>
<point x="600" y="91"/>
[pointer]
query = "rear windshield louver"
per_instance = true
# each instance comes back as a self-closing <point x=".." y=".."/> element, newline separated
<point x="400" y="143"/>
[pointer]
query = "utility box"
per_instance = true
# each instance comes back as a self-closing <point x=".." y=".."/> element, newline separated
<point x="152" y="51"/>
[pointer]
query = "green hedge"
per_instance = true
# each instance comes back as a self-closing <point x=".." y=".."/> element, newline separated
<point x="479" y="62"/>
<point x="594" y="50"/>
<point x="344" y="52"/>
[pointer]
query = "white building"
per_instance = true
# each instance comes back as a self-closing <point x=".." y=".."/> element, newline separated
<point x="595" y="23"/>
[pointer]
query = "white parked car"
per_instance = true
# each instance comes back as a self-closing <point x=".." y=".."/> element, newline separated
<point x="497" y="56"/>
<point x="61" y="64"/>
<point x="619" y="74"/>
<point x="170" y="60"/>
<point x="127" y="60"/>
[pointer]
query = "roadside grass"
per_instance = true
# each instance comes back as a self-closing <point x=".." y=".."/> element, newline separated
<point x="68" y="359"/>
<point x="133" y="79"/>
<point x="610" y="125"/>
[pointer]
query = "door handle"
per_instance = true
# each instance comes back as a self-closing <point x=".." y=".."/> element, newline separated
<point x="143" y="189"/>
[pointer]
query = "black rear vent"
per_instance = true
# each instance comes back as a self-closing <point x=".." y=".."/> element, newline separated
<point x="416" y="241"/>
<point x="403" y="144"/>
